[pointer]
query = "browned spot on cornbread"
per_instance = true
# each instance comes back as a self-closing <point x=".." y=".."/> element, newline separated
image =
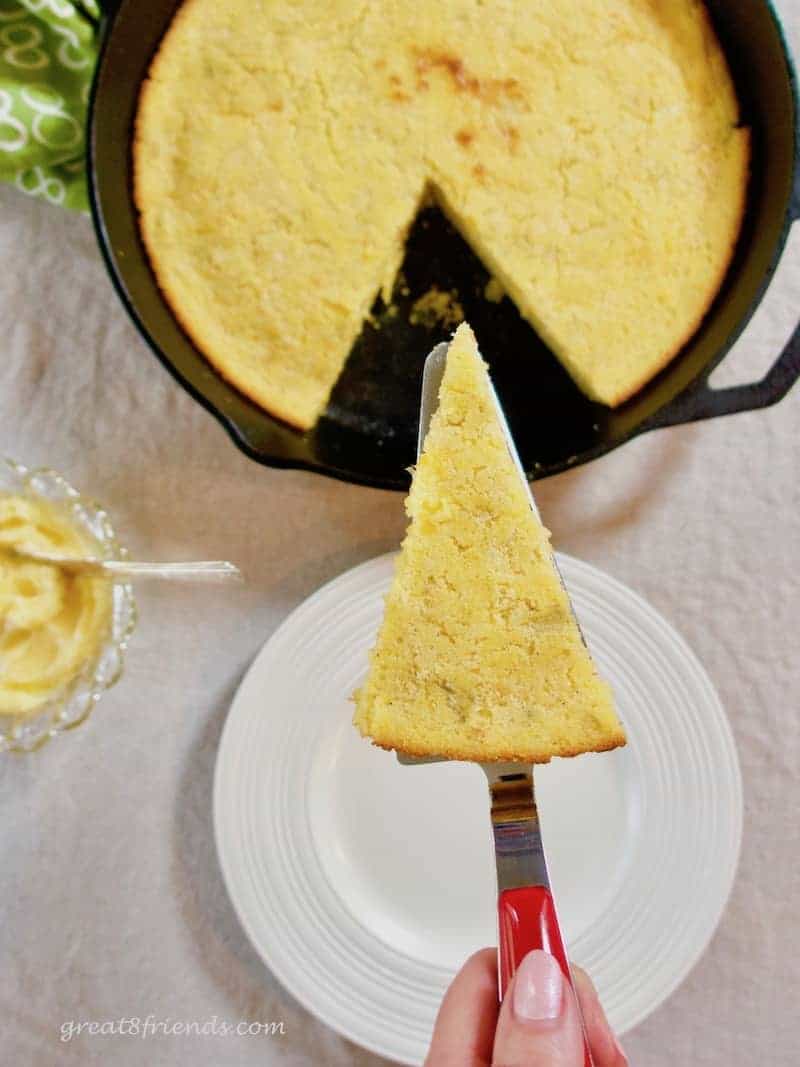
<point x="463" y="79"/>
<point x="430" y="59"/>
<point x="512" y="135"/>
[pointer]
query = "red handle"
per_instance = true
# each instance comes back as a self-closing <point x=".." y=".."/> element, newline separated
<point x="528" y="920"/>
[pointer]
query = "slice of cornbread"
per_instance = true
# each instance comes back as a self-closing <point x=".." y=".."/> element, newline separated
<point x="479" y="656"/>
<point x="589" y="151"/>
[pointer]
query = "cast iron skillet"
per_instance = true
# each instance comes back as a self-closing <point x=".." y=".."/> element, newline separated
<point x="367" y="434"/>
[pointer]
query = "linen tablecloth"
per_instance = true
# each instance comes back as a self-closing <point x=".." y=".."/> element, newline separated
<point x="111" y="900"/>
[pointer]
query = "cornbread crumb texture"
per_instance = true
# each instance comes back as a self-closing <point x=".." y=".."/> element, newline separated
<point x="588" y="151"/>
<point x="436" y="307"/>
<point x="479" y="656"/>
<point x="493" y="291"/>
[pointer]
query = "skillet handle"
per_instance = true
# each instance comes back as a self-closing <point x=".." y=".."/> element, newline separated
<point x="527" y="921"/>
<point x="701" y="402"/>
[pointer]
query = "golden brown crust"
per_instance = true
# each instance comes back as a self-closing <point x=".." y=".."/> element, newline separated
<point x="144" y="91"/>
<point x="500" y="756"/>
<point x="713" y="288"/>
<point x="247" y="388"/>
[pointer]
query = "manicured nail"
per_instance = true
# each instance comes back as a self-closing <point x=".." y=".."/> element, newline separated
<point x="538" y="988"/>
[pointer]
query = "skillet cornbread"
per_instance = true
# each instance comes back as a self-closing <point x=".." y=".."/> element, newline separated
<point x="588" y="150"/>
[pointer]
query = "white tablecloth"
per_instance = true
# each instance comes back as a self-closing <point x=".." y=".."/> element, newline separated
<point x="111" y="900"/>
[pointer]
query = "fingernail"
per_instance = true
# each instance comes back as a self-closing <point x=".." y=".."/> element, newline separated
<point x="620" y="1050"/>
<point x="538" y="988"/>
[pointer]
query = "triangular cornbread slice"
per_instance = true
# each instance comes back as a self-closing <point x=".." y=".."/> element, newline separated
<point x="479" y="656"/>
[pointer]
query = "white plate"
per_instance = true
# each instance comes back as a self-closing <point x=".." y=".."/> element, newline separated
<point x="364" y="884"/>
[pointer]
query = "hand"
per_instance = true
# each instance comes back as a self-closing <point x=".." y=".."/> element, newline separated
<point x="537" y="1025"/>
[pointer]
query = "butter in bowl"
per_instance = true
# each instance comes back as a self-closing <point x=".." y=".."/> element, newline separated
<point x="62" y="634"/>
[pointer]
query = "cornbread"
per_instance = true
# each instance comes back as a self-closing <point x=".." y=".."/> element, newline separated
<point x="436" y="308"/>
<point x="52" y="624"/>
<point x="479" y="656"/>
<point x="588" y="151"/>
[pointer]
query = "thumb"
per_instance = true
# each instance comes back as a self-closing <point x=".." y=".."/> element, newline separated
<point x="539" y="1024"/>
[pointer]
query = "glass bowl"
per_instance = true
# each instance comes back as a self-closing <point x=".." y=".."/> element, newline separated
<point x="74" y="704"/>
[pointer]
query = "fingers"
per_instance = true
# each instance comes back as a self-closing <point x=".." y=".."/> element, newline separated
<point x="606" y="1050"/>
<point x="539" y="1023"/>
<point x="465" y="1026"/>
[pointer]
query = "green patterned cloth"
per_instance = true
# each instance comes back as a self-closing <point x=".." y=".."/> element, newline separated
<point x="47" y="55"/>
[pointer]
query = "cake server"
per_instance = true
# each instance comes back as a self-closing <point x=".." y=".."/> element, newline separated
<point x="526" y="911"/>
